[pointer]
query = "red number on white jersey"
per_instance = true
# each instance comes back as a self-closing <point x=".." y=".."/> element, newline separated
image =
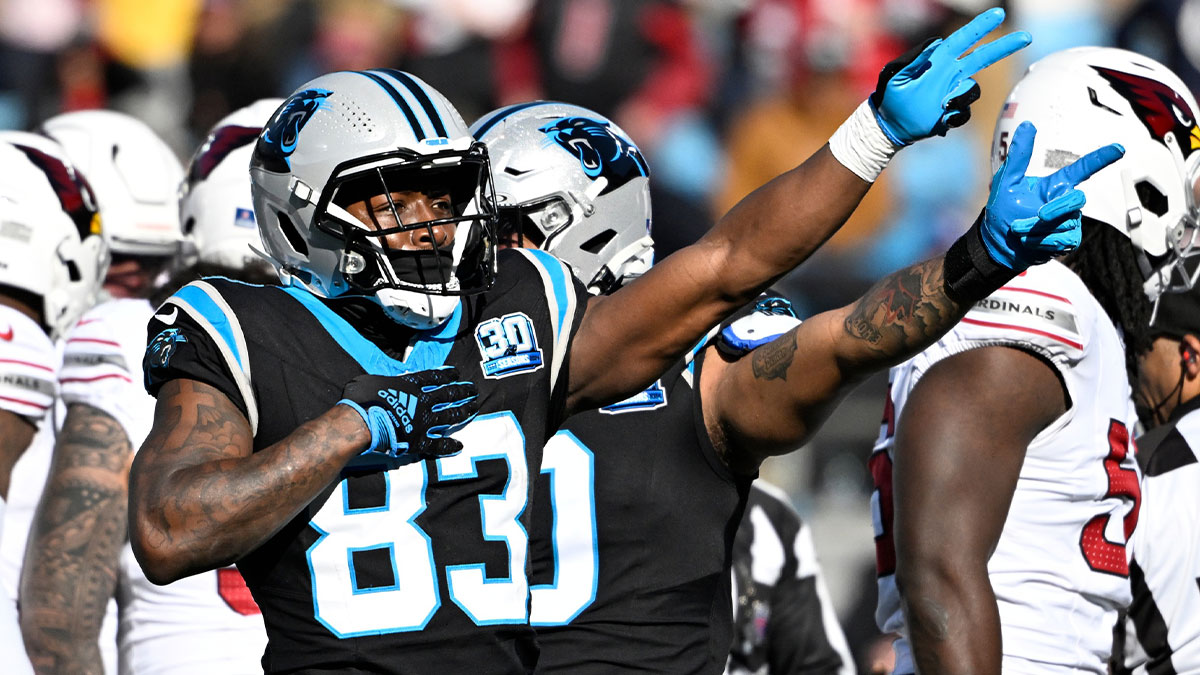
<point x="232" y="589"/>
<point x="1103" y="555"/>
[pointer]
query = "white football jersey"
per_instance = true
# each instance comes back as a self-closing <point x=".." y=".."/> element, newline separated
<point x="29" y="365"/>
<point x="1166" y="552"/>
<point x="187" y="626"/>
<point x="1060" y="569"/>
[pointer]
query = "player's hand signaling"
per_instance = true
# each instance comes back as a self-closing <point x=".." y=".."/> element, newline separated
<point x="1027" y="220"/>
<point x="924" y="92"/>
<point x="929" y="89"/>
<point x="411" y="416"/>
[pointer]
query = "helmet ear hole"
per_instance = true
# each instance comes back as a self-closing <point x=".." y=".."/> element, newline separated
<point x="73" y="271"/>
<point x="598" y="242"/>
<point x="1152" y="198"/>
<point x="289" y="231"/>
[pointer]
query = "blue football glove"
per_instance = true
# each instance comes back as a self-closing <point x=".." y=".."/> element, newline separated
<point x="929" y="89"/>
<point x="1027" y="220"/>
<point x="411" y="416"/>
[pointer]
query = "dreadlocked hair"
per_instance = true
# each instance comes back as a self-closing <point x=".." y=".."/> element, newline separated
<point x="1106" y="261"/>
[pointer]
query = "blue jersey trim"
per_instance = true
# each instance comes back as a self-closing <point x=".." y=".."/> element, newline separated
<point x="204" y="304"/>
<point x="430" y="348"/>
<point x="418" y="131"/>
<point x="558" y="283"/>
<point x="422" y="98"/>
<point x="488" y="124"/>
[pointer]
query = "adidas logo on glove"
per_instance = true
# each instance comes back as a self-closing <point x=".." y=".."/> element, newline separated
<point x="403" y="405"/>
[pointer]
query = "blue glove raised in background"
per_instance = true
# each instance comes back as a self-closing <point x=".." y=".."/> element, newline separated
<point x="410" y="416"/>
<point x="929" y="89"/>
<point x="1028" y="221"/>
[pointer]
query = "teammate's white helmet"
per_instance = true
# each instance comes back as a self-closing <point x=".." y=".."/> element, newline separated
<point x="1079" y="98"/>
<point x="51" y="243"/>
<point x="576" y="185"/>
<point x="215" y="207"/>
<point x="135" y="175"/>
<point x="350" y="134"/>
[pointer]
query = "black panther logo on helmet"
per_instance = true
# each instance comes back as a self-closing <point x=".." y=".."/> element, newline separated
<point x="279" y="137"/>
<point x="599" y="149"/>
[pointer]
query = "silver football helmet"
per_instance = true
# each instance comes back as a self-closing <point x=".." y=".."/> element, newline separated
<point x="134" y="174"/>
<point x="1079" y="97"/>
<point x="215" y="207"/>
<point x="51" y="240"/>
<point x="349" y="136"/>
<point x="573" y="183"/>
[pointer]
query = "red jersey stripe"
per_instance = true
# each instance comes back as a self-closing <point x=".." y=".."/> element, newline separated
<point x="1024" y="329"/>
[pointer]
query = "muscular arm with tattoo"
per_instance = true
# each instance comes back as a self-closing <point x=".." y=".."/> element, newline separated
<point x="71" y="564"/>
<point x="771" y="402"/>
<point x="202" y="499"/>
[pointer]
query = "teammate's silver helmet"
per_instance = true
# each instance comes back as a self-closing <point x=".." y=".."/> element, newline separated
<point x="134" y="174"/>
<point x="575" y="185"/>
<point x="51" y="244"/>
<point x="214" y="199"/>
<point x="1077" y="96"/>
<point x="350" y="134"/>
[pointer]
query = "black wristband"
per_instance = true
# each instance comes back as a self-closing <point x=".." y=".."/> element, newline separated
<point x="969" y="272"/>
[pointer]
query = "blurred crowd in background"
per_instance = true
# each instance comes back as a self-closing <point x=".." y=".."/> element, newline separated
<point x="721" y="95"/>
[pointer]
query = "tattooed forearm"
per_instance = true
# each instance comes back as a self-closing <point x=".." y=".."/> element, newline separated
<point x="904" y="312"/>
<point x="71" y="563"/>
<point x="200" y="498"/>
<point x="772" y="360"/>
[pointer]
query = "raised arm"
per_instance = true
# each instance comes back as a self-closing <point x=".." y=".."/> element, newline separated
<point x="648" y="324"/>
<point x="960" y="443"/>
<point x="771" y="402"/>
<point x="73" y="558"/>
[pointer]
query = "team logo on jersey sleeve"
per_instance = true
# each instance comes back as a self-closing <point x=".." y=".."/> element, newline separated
<point x="159" y="352"/>
<point x="508" y="345"/>
<point x="653" y="397"/>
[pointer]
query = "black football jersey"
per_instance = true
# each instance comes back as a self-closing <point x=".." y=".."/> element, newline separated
<point x="421" y="569"/>
<point x="633" y="528"/>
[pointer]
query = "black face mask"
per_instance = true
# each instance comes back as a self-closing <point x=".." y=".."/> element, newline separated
<point x="424" y="267"/>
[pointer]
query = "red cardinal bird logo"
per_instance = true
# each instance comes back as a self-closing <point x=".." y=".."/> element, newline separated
<point x="1158" y="106"/>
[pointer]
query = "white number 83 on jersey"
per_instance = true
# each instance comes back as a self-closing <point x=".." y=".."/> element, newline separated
<point x="389" y="535"/>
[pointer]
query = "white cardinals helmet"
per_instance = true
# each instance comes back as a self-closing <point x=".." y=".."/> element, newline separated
<point x="215" y="207"/>
<point x="135" y="175"/>
<point x="1079" y="98"/>
<point x="51" y="241"/>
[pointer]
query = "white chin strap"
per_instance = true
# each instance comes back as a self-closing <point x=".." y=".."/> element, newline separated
<point x="636" y="260"/>
<point x="417" y="310"/>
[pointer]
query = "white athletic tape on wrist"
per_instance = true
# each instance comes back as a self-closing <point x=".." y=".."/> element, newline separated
<point x="860" y="145"/>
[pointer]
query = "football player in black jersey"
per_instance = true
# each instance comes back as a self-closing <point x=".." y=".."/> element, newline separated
<point x="402" y="342"/>
<point x="638" y="505"/>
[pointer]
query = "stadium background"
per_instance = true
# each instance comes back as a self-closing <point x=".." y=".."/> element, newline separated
<point x="721" y="95"/>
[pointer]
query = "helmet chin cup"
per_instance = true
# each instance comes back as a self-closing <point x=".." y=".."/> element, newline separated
<point x="420" y="311"/>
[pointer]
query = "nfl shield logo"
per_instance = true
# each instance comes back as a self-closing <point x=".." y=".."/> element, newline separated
<point x="244" y="218"/>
